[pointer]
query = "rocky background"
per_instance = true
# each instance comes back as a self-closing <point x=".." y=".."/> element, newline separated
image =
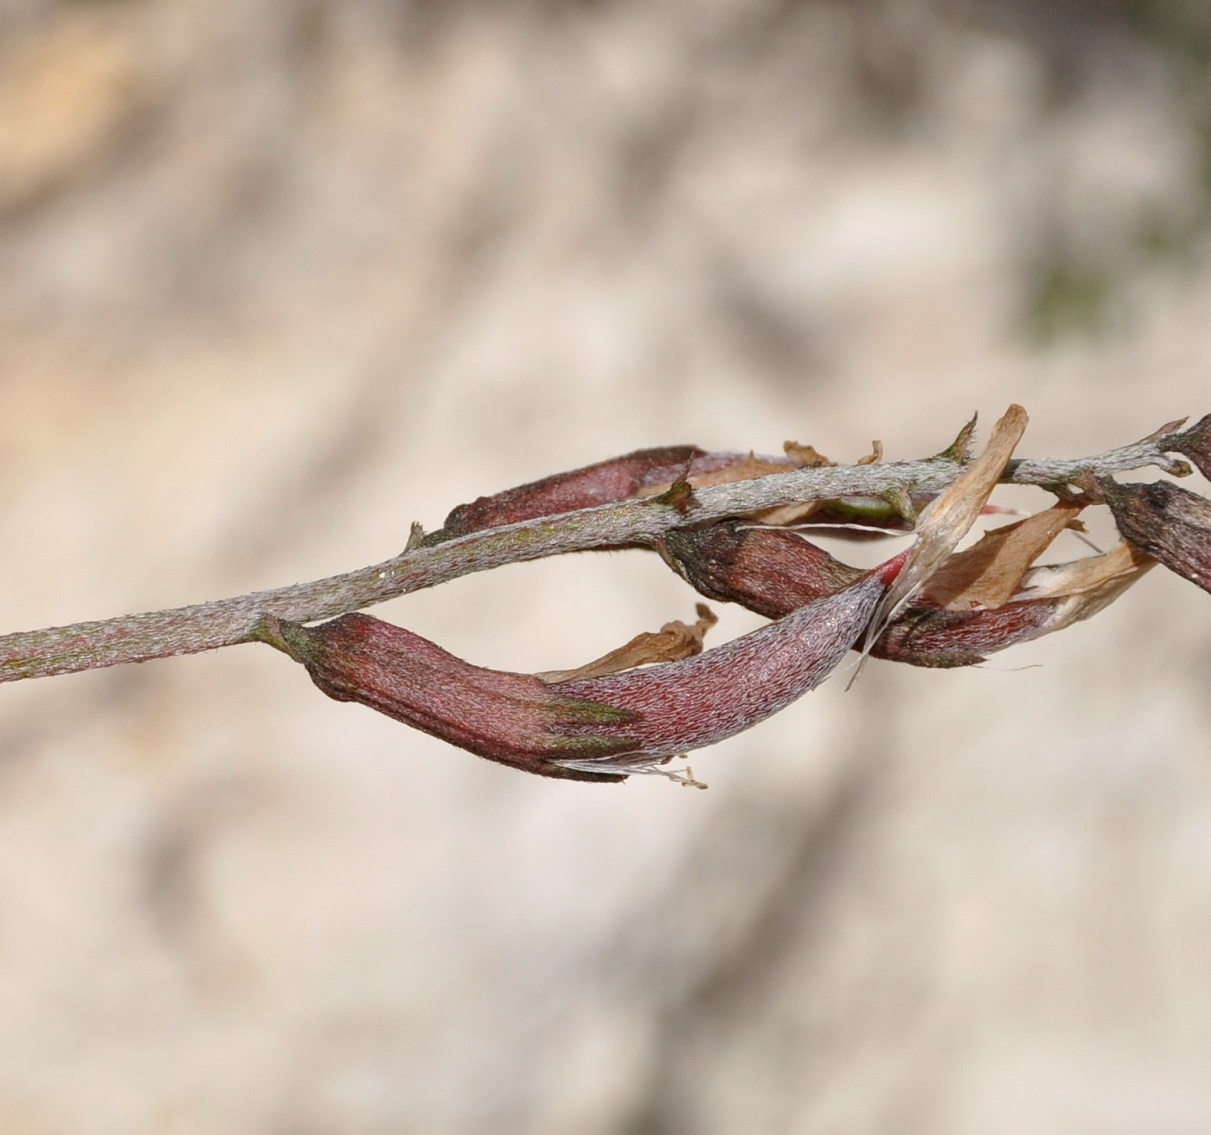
<point x="279" y="277"/>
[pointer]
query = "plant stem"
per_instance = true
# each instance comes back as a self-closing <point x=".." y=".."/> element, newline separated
<point x="227" y="622"/>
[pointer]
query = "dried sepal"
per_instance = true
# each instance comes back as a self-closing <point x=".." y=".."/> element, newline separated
<point x="674" y="641"/>
<point x="990" y="573"/>
<point x="948" y="518"/>
<point x="1168" y="522"/>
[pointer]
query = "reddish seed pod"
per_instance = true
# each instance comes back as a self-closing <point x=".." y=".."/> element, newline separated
<point x="941" y="639"/>
<point x="679" y="706"/>
<point x="768" y="570"/>
<point x="515" y="719"/>
<point x="1168" y="522"/>
<point x="588" y="728"/>
<point x="605" y="482"/>
<point x="772" y="572"/>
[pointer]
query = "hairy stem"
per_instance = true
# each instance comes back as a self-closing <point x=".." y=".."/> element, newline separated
<point x="227" y="622"/>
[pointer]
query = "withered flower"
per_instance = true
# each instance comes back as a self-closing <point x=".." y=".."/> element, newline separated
<point x="978" y="601"/>
<point x="1048" y="599"/>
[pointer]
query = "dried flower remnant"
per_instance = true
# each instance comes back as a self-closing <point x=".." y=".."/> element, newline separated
<point x="990" y="573"/>
<point x="949" y="518"/>
<point x="1050" y="598"/>
<point x="674" y="641"/>
<point x="1168" y="522"/>
<point x="980" y="601"/>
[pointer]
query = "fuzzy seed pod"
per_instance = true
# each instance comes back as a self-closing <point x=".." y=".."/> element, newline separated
<point x="941" y="639"/>
<point x="602" y="483"/>
<point x="768" y="570"/>
<point x="679" y="706"/>
<point x="586" y="728"/>
<point x="515" y="719"/>
<point x="1168" y="522"/>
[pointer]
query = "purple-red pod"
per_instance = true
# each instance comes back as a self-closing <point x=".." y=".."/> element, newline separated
<point x="602" y="483"/>
<point x="1170" y="523"/>
<point x="768" y="570"/>
<point x="589" y="728"/>
<point x="935" y="637"/>
<point x="684" y="705"/>
<point x="515" y="719"/>
<point x="771" y="572"/>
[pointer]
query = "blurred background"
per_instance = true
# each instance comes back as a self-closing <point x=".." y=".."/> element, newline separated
<point x="279" y="277"/>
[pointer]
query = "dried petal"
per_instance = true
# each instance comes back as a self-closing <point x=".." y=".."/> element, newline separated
<point x="947" y="520"/>
<point x="990" y="573"/>
<point x="805" y="455"/>
<point x="1093" y="574"/>
<point x="674" y="641"/>
<point x="1166" y="521"/>
<point x="727" y="469"/>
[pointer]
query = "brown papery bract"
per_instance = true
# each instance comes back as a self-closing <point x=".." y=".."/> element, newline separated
<point x="990" y="573"/>
<point x="673" y="642"/>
